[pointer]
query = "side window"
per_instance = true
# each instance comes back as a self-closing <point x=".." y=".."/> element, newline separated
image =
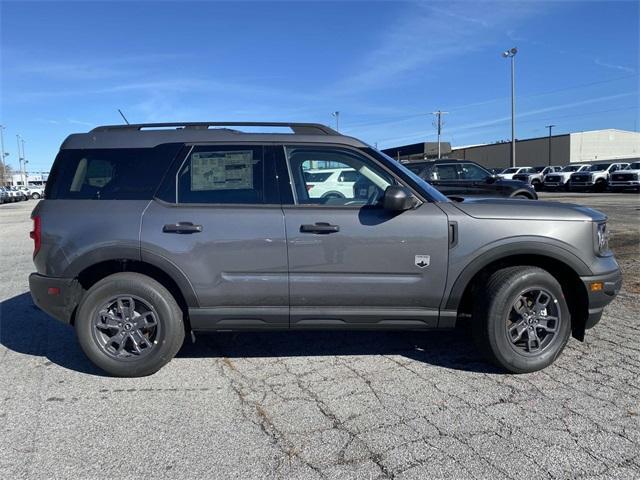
<point x="445" y="172"/>
<point x="352" y="179"/>
<point x="109" y="174"/>
<point x="469" y="171"/>
<point x="226" y="175"/>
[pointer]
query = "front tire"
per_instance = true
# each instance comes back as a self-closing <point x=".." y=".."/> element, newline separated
<point x="522" y="321"/>
<point x="35" y="196"/>
<point x="129" y="325"/>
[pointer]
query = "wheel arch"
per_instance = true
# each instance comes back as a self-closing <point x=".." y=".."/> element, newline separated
<point x="563" y="265"/>
<point x="156" y="267"/>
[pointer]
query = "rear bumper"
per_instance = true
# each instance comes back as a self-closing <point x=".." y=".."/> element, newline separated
<point x="612" y="282"/>
<point x="56" y="296"/>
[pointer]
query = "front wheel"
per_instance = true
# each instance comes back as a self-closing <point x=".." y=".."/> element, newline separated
<point x="35" y="196"/>
<point x="129" y="325"/>
<point x="522" y="322"/>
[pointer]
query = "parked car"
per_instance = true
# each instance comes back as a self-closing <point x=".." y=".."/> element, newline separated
<point x="559" y="180"/>
<point x="627" y="179"/>
<point x="13" y="194"/>
<point x="466" y="178"/>
<point x="534" y="176"/>
<point x="508" y="173"/>
<point x="331" y="183"/>
<point x="147" y="234"/>
<point x="32" y="191"/>
<point x="596" y="177"/>
<point x="4" y="196"/>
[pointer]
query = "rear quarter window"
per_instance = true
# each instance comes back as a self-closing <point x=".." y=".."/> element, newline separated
<point x="109" y="174"/>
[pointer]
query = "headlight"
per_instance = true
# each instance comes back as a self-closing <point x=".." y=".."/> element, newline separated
<point x="602" y="239"/>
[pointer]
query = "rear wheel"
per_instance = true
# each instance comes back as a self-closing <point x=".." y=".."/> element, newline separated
<point x="35" y="196"/>
<point x="522" y="322"/>
<point x="523" y="196"/>
<point x="129" y="325"/>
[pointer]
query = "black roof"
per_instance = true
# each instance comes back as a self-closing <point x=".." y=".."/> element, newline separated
<point x="146" y="135"/>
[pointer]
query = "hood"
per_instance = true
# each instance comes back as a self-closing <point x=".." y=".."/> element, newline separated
<point x="514" y="209"/>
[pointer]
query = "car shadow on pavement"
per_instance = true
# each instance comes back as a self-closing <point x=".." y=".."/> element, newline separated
<point x="25" y="329"/>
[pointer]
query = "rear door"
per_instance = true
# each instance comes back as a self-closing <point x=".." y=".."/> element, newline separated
<point x="217" y="219"/>
<point x="354" y="264"/>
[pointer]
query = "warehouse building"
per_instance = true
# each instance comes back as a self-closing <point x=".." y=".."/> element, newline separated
<point x="581" y="147"/>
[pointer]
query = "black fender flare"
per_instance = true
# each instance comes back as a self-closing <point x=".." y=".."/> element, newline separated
<point x="549" y="249"/>
<point x="132" y="252"/>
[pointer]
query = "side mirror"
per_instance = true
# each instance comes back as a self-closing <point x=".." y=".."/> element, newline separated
<point x="398" y="199"/>
<point x="491" y="179"/>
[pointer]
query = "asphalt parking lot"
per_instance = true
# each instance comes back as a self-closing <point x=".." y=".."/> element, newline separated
<point x="320" y="404"/>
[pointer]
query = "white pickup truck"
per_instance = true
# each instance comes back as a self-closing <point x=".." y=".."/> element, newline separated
<point x="33" y="191"/>
<point x="595" y="177"/>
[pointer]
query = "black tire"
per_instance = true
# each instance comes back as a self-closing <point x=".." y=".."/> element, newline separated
<point x="491" y="320"/>
<point x="35" y="196"/>
<point x="537" y="185"/>
<point x="166" y="340"/>
<point x="600" y="186"/>
<point x="523" y="196"/>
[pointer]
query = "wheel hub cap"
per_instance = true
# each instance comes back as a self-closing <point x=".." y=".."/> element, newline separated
<point x="533" y="321"/>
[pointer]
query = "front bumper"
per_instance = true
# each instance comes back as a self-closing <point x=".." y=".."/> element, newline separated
<point x="581" y="184"/>
<point x="611" y="284"/>
<point x="625" y="184"/>
<point x="56" y="296"/>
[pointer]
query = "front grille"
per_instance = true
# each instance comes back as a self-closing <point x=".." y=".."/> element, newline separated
<point x="522" y="178"/>
<point x="554" y="178"/>
<point x="580" y="178"/>
<point x="621" y="177"/>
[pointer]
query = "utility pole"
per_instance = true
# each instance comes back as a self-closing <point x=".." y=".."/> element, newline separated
<point x="2" y="164"/>
<point x="438" y="123"/>
<point x="512" y="54"/>
<point x="336" y="114"/>
<point x="19" y="154"/>
<point x="24" y="166"/>
<point x="549" y="127"/>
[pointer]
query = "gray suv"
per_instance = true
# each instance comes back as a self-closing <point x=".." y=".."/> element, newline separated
<point x="148" y="233"/>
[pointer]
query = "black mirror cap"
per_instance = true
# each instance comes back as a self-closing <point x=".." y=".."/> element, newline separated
<point x="398" y="199"/>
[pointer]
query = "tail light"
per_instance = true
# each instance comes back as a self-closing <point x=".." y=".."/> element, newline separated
<point x="36" y="234"/>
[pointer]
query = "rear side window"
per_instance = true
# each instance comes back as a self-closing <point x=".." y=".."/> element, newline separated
<point x="109" y="174"/>
<point x="227" y="175"/>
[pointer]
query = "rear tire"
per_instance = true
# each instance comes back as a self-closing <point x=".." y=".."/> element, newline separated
<point x="521" y="342"/>
<point x="35" y="196"/>
<point x="129" y="325"/>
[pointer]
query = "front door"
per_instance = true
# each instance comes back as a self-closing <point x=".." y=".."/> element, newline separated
<point x="219" y="222"/>
<point x="352" y="263"/>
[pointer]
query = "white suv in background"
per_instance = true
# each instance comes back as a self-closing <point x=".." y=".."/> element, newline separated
<point x="558" y="180"/>
<point x="33" y="191"/>
<point x="331" y="182"/>
<point x="508" y="173"/>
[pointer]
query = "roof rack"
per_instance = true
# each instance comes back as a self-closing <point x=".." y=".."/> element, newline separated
<point x="297" y="128"/>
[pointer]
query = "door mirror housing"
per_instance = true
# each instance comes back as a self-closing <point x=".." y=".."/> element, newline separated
<point x="398" y="199"/>
<point x="491" y="179"/>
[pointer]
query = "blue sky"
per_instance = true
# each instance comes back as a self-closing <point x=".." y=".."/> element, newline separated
<point x="67" y="67"/>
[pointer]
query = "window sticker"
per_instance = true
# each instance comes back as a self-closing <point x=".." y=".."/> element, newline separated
<point x="222" y="170"/>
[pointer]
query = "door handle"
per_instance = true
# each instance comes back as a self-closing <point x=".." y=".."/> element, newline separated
<point x="319" y="227"/>
<point x="182" y="227"/>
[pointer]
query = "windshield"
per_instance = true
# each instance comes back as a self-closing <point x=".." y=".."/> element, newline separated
<point x="571" y="168"/>
<point x="510" y="170"/>
<point x="415" y="179"/>
<point x="598" y="168"/>
<point x="538" y="169"/>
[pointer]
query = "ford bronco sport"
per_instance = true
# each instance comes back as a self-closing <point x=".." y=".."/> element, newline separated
<point x="150" y="232"/>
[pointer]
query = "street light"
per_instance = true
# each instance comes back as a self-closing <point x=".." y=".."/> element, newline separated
<point x="337" y="115"/>
<point x="549" y="127"/>
<point x="512" y="54"/>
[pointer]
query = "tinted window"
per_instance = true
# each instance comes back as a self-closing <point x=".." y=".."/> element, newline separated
<point x="469" y="171"/>
<point x="598" y="168"/>
<point x="109" y="174"/>
<point x="414" y="168"/>
<point x="510" y="170"/>
<point x="226" y="175"/>
<point x="361" y="181"/>
<point x="634" y="166"/>
<point x="316" y="176"/>
<point x="445" y="172"/>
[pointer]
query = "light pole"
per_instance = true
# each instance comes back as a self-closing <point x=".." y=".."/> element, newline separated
<point x="549" y="127"/>
<point x="337" y="115"/>
<point x="19" y="154"/>
<point x="512" y="54"/>
<point x="24" y="166"/>
<point x="2" y="152"/>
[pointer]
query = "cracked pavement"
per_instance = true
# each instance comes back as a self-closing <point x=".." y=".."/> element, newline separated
<point x="320" y="405"/>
